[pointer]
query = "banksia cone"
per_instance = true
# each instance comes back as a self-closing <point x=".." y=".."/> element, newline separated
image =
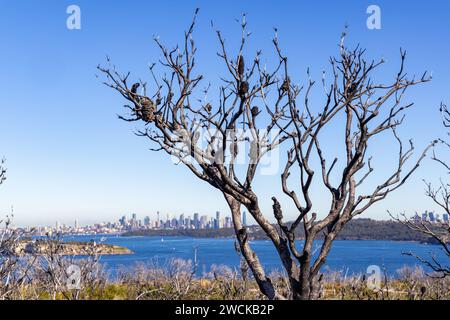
<point x="277" y="209"/>
<point x="255" y="111"/>
<point x="148" y="110"/>
<point x="241" y="65"/>
<point x="286" y="84"/>
<point x="352" y="88"/>
<point x="135" y="87"/>
<point x="208" y="108"/>
<point x="243" y="89"/>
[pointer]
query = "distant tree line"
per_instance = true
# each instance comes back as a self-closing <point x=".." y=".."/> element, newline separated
<point x="358" y="229"/>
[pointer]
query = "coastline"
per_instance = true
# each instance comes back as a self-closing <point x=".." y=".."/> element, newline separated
<point x="71" y="248"/>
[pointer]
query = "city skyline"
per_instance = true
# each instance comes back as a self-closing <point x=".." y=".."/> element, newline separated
<point x="167" y="223"/>
<point x="132" y="222"/>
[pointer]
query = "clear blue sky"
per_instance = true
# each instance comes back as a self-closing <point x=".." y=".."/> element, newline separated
<point x="69" y="157"/>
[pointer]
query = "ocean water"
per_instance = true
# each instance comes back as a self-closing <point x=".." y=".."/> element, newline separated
<point x="347" y="257"/>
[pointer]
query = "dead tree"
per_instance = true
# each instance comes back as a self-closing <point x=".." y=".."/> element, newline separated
<point x="257" y="111"/>
<point x="14" y="269"/>
<point x="439" y="231"/>
<point x="64" y="276"/>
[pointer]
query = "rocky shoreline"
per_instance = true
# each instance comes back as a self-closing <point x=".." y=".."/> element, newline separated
<point x="40" y="247"/>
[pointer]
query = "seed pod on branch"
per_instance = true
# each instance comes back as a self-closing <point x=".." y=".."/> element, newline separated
<point x="286" y="85"/>
<point x="255" y="111"/>
<point x="134" y="87"/>
<point x="241" y="65"/>
<point x="208" y="108"/>
<point x="148" y="110"/>
<point x="243" y="89"/>
<point x="278" y="213"/>
<point x="352" y="89"/>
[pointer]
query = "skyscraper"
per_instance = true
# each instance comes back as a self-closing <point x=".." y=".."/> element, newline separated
<point x="196" y="221"/>
<point x="244" y="218"/>
<point x="228" y="223"/>
<point x="123" y="221"/>
<point x="217" y="221"/>
<point x="203" y="221"/>
<point x="431" y="215"/>
<point x="181" y="221"/>
<point x="134" y="222"/>
<point x="425" y="216"/>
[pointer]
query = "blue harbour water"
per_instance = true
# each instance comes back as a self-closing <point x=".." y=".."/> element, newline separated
<point x="347" y="257"/>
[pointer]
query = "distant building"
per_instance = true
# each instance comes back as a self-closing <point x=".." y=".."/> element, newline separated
<point x="217" y="221"/>
<point x="425" y="216"/>
<point x="227" y="222"/>
<point x="445" y="217"/>
<point x="432" y="217"/>
<point x="181" y="222"/>
<point x="203" y="222"/>
<point x="134" y="223"/>
<point x="244" y="218"/>
<point x="147" y="221"/>
<point x="123" y="221"/>
<point x="196" y="221"/>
